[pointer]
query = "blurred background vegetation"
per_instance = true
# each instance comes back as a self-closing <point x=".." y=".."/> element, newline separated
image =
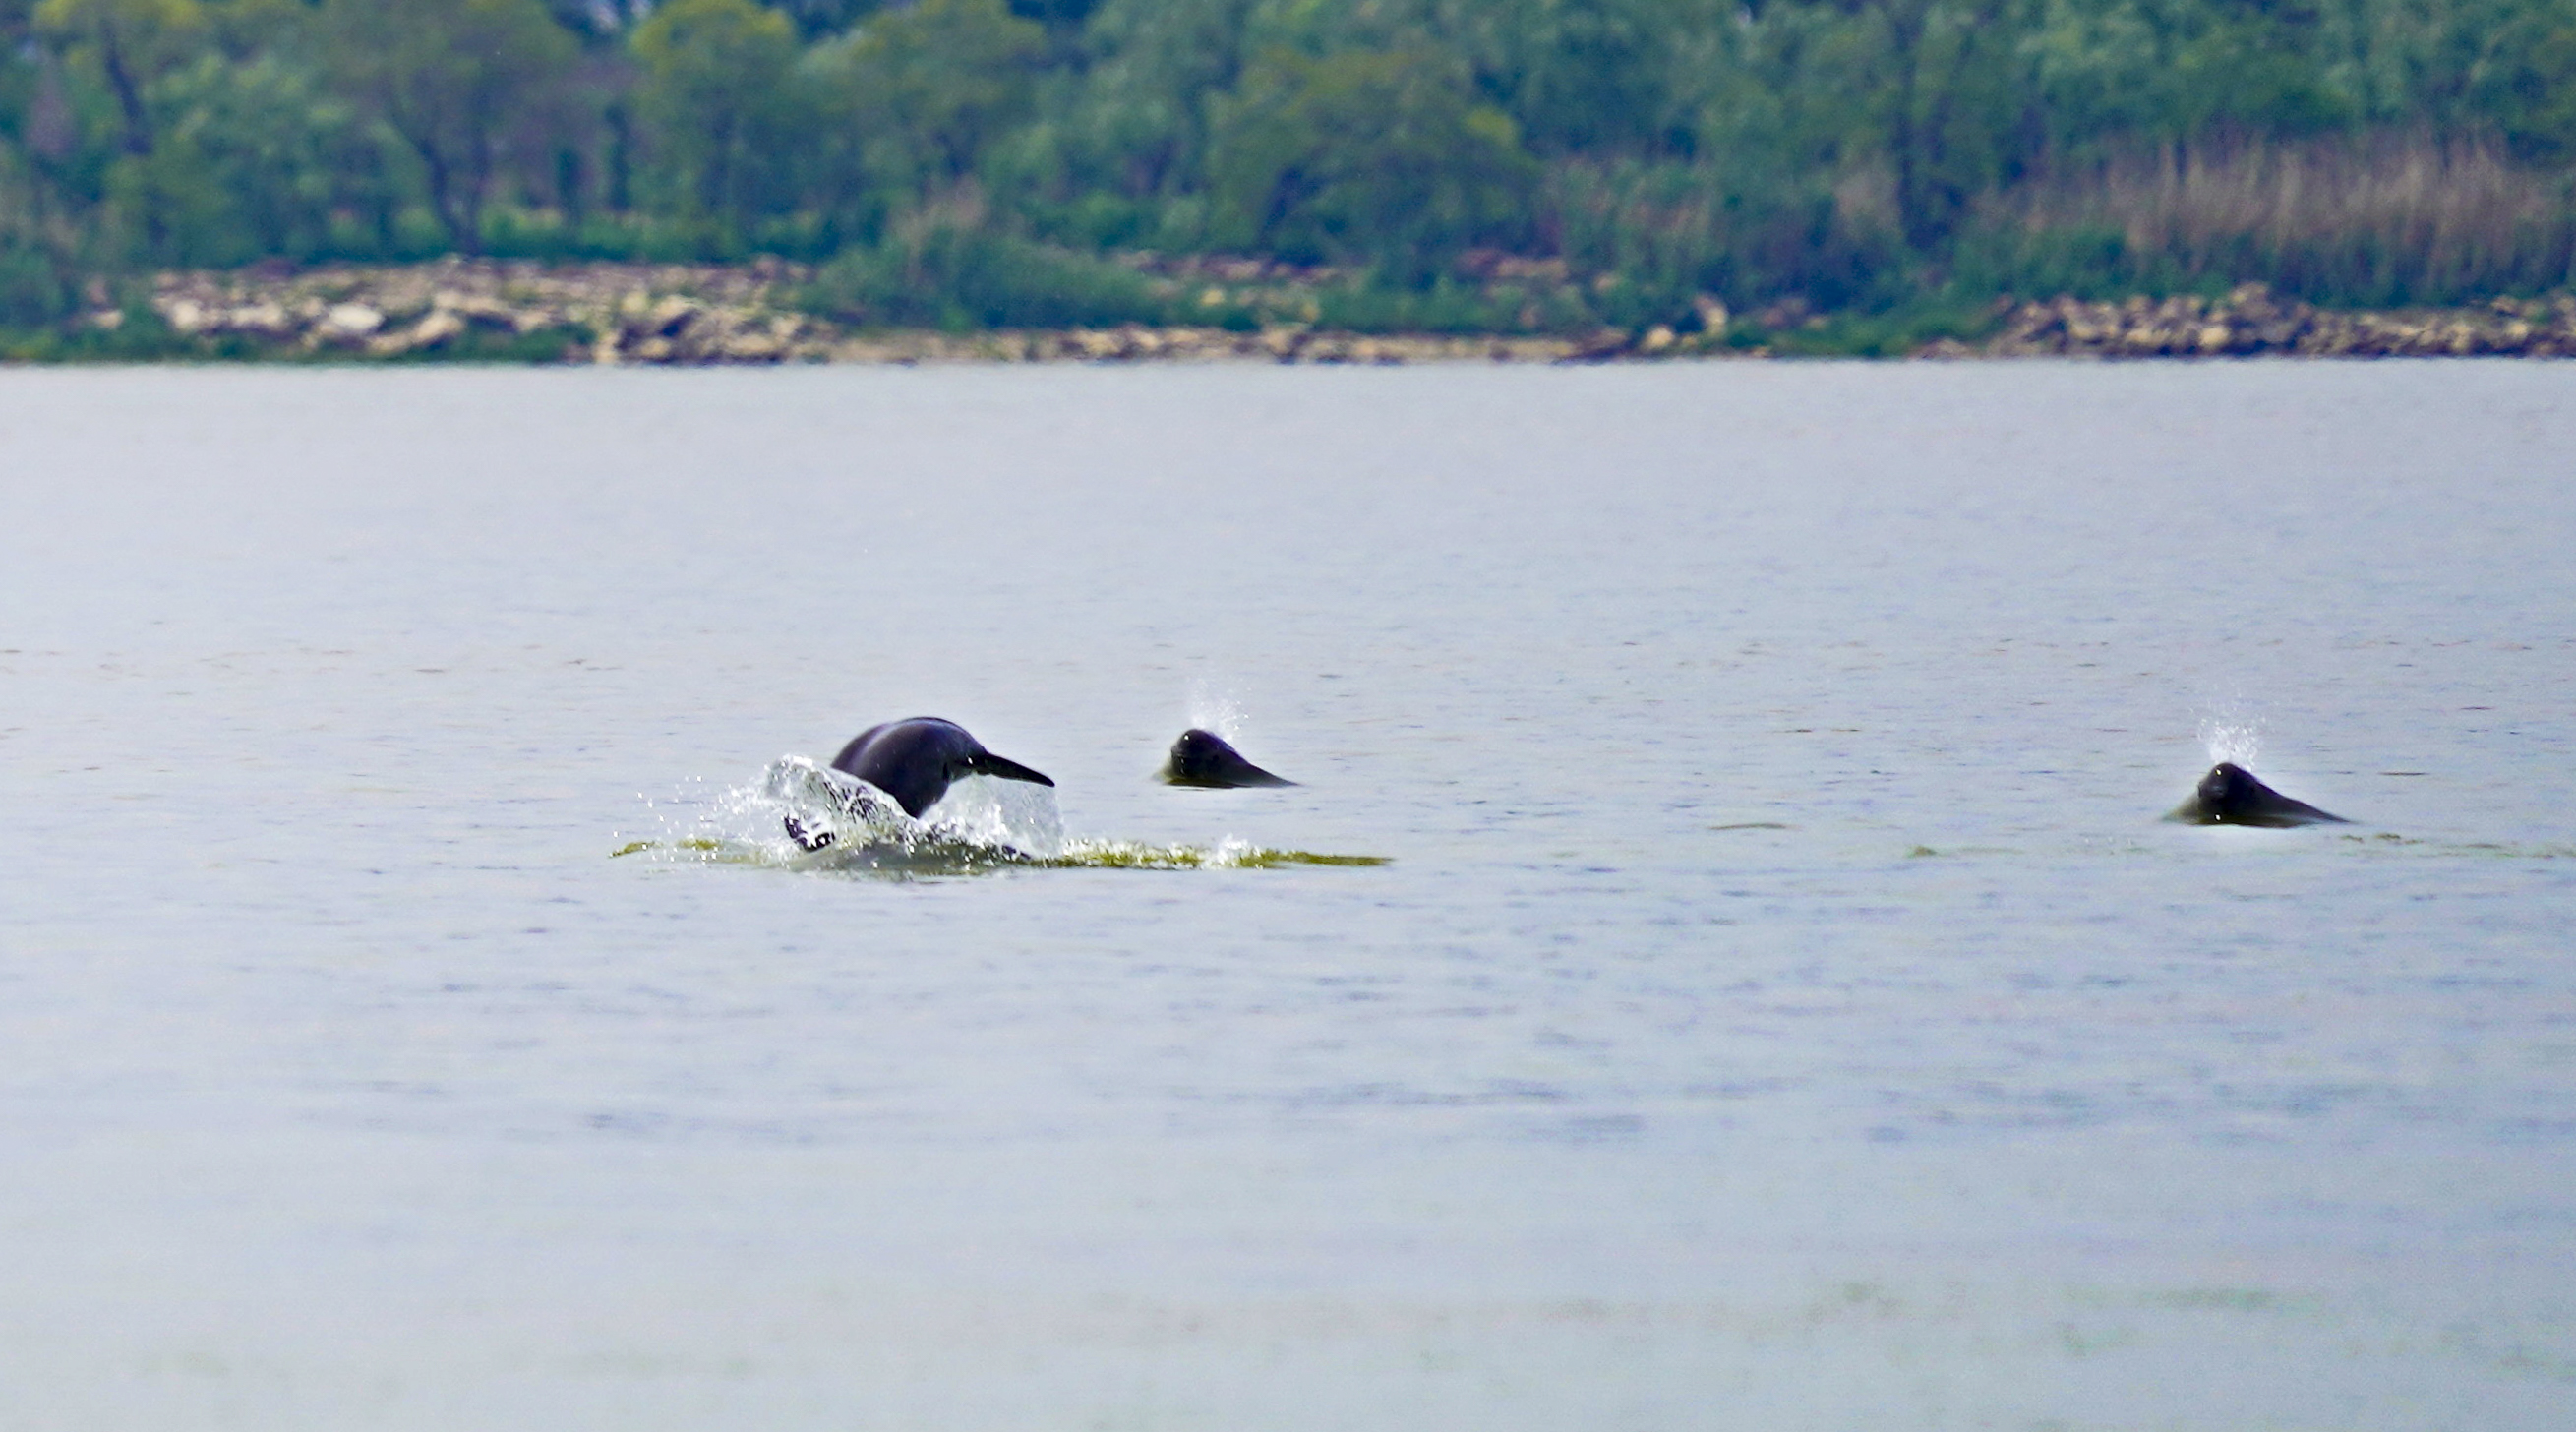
<point x="1462" y="165"/>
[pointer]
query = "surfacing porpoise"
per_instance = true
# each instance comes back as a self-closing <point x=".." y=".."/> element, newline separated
<point x="1203" y="759"/>
<point x="2229" y="795"/>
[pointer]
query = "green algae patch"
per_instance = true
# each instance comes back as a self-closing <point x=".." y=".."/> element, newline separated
<point x="1127" y="855"/>
<point x="694" y="845"/>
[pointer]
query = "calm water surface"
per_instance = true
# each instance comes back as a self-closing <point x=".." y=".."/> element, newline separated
<point x="1783" y="1009"/>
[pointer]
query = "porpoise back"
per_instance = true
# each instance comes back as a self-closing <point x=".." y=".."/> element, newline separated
<point x="915" y="761"/>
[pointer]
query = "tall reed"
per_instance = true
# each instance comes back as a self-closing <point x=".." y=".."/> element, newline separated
<point x="2387" y="218"/>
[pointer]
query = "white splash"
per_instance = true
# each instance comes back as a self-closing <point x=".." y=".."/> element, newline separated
<point x="1215" y="710"/>
<point x="806" y="816"/>
<point x="832" y="809"/>
<point x="1014" y="816"/>
<point x="2231" y="736"/>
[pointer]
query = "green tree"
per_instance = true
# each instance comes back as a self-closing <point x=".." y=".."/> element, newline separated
<point x="822" y="17"/>
<point x="1383" y="156"/>
<point x="2525" y="82"/>
<point x="2124" y="70"/>
<point x="1950" y="105"/>
<point x="1139" y="122"/>
<point x="451" y="78"/>
<point x="131" y="43"/>
<point x="247" y="29"/>
<point x="925" y="90"/>
<point x="258" y="159"/>
<point x="717" y="91"/>
<point x="1592" y="77"/>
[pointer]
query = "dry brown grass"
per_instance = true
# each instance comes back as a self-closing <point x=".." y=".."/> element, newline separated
<point x="2378" y="218"/>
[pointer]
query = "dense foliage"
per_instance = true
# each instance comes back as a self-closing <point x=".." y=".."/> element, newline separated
<point x="967" y="160"/>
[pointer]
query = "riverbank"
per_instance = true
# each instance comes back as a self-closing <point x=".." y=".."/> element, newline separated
<point x="2251" y="322"/>
<point x="690" y="315"/>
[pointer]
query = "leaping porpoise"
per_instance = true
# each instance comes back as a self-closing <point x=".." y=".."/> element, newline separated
<point x="1202" y="758"/>
<point x="914" y="761"/>
<point x="2229" y="795"/>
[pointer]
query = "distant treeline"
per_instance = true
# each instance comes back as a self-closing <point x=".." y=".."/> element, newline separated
<point x="969" y="161"/>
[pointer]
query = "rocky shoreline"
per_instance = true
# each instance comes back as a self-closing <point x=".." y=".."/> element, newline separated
<point x="2251" y="322"/>
<point x="684" y="314"/>
<point x="696" y="315"/>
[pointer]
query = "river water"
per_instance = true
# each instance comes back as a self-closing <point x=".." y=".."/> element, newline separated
<point x="1781" y="1006"/>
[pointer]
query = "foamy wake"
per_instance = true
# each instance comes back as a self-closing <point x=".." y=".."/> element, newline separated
<point x="800" y="815"/>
